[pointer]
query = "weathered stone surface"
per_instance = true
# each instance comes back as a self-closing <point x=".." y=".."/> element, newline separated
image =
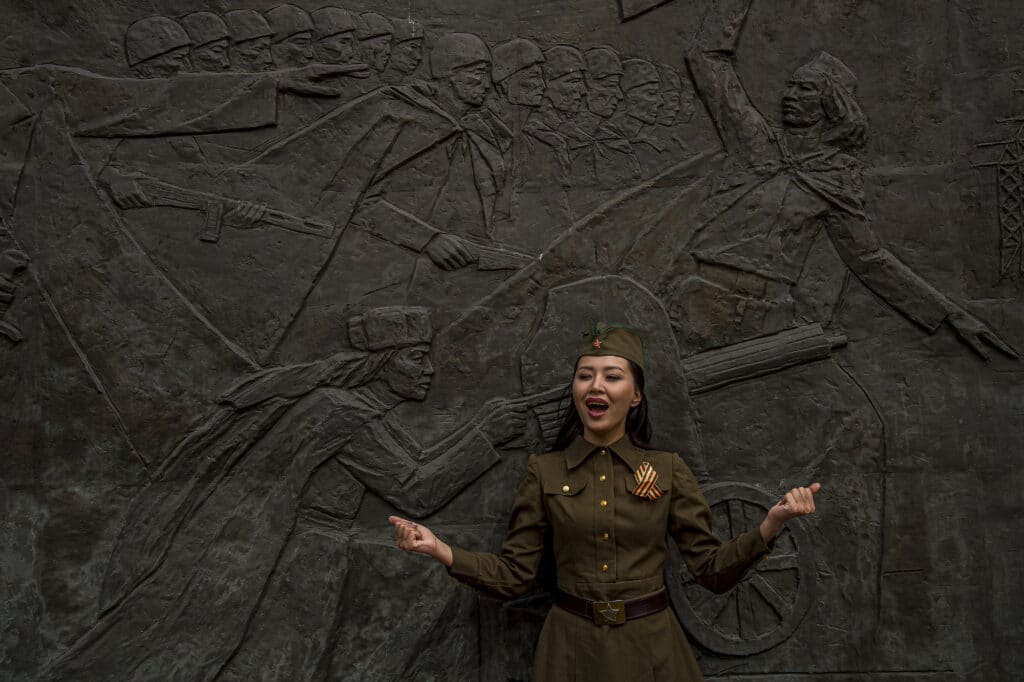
<point x="252" y="303"/>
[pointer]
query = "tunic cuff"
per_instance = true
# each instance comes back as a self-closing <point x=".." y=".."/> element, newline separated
<point x="753" y="545"/>
<point x="464" y="566"/>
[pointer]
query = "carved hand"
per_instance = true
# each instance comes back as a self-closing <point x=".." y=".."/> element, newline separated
<point x="503" y="422"/>
<point x="797" y="502"/>
<point x="123" y="189"/>
<point x="245" y="214"/>
<point x="323" y="80"/>
<point x="449" y="252"/>
<point x="413" y="537"/>
<point x="976" y="334"/>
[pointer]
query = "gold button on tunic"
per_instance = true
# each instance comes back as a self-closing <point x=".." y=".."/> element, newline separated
<point x="608" y="544"/>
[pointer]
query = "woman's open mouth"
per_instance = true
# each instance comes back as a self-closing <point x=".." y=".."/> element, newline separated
<point x="596" y="407"/>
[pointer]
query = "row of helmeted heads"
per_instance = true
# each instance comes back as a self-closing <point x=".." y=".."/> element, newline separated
<point x="597" y="80"/>
<point x="283" y="37"/>
<point x="288" y="36"/>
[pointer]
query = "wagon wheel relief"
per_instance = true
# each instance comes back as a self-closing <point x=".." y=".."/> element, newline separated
<point x="768" y="604"/>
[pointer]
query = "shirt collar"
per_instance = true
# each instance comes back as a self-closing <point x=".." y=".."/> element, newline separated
<point x="580" y="449"/>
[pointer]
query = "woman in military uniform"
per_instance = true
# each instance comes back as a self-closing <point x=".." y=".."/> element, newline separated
<point x="607" y="500"/>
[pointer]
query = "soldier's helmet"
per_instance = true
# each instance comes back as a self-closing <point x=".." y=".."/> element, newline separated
<point x="456" y="50"/>
<point x="330" y="21"/>
<point x="373" y="25"/>
<point x="637" y="72"/>
<point x="152" y="37"/>
<point x="247" y="24"/>
<point x="390" y="327"/>
<point x="406" y="30"/>
<point x="602" y="62"/>
<point x="513" y="56"/>
<point x="561" y="60"/>
<point x="204" y="28"/>
<point x="288" y="20"/>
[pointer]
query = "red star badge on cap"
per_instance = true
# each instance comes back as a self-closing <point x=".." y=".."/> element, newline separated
<point x="597" y="343"/>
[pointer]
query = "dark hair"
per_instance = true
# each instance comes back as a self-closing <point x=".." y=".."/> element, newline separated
<point x="638" y="420"/>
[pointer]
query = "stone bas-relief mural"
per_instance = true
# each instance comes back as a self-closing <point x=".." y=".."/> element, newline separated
<point x="278" y="270"/>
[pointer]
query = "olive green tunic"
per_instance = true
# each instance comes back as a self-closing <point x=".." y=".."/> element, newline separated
<point x="608" y="544"/>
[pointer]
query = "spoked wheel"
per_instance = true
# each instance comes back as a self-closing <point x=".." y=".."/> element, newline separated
<point x="768" y="604"/>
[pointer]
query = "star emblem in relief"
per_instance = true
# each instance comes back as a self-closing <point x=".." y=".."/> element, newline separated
<point x="610" y="613"/>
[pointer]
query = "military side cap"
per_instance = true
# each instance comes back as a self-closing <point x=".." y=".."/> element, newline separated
<point x="373" y="25"/>
<point x="390" y="327"/>
<point x="513" y="56"/>
<point x="637" y="72"/>
<point x="405" y="30"/>
<point x="204" y="28"/>
<point x="330" y="21"/>
<point x="151" y="37"/>
<point x="612" y="339"/>
<point x="602" y="61"/>
<point x="287" y="20"/>
<point x="455" y="50"/>
<point x="247" y="24"/>
<point x="562" y="60"/>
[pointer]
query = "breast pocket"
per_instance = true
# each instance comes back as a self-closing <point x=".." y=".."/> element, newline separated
<point x="566" y="501"/>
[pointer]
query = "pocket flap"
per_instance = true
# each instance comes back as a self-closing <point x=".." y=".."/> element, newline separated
<point x="567" y="486"/>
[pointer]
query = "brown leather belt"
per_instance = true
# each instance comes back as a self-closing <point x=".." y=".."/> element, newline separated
<point x="613" y="612"/>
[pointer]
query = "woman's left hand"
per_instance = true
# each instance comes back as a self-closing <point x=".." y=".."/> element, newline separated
<point x="797" y="502"/>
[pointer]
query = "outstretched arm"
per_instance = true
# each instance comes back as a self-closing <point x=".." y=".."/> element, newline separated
<point x="718" y="565"/>
<point x="508" y="574"/>
<point x="419" y="481"/>
<point x="902" y="288"/>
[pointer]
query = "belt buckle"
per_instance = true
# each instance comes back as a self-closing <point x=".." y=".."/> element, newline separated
<point x="609" y="612"/>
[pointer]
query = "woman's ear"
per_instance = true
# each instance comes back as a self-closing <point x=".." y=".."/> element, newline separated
<point x="637" y="398"/>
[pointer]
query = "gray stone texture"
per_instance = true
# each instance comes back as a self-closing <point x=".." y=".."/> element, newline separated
<point x="251" y="304"/>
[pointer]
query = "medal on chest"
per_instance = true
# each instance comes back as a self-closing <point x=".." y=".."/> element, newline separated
<point x="646" y="482"/>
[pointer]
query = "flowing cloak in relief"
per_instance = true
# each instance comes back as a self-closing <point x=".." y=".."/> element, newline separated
<point x="415" y="172"/>
<point x="200" y="543"/>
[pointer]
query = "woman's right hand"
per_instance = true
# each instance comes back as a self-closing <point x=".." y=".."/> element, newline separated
<point x="413" y="537"/>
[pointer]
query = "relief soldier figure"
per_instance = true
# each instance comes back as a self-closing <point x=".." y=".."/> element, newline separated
<point x="433" y="168"/>
<point x="660" y="144"/>
<point x="250" y="41"/>
<point x="778" y="189"/>
<point x="406" y="51"/>
<point x="157" y="47"/>
<point x="334" y="32"/>
<point x="640" y="108"/>
<point x="604" y="160"/>
<point x="292" y="41"/>
<point x="215" y="557"/>
<point x="551" y="129"/>
<point x="210" y="42"/>
<point x="533" y="208"/>
<point x="374" y="31"/>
